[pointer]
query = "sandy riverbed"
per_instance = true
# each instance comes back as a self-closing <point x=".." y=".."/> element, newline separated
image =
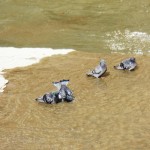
<point x="109" y="113"/>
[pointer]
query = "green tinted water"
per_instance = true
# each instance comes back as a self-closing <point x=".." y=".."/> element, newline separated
<point x="110" y="113"/>
<point x="86" y="25"/>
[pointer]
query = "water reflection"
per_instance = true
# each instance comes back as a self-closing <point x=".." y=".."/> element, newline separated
<point x="128" y="41"/>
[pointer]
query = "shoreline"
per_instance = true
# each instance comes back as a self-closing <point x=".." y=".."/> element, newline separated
<point x="12" y="57"/>
<point x="31" y="58"/>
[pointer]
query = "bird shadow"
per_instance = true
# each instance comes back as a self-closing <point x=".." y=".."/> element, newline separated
<point x="106" y="74"/>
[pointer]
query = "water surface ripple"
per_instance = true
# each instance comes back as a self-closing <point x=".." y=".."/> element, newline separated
<point x="81" y="24"/>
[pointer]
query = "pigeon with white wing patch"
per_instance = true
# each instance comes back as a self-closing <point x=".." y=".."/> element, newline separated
<point x="63" y="93"/>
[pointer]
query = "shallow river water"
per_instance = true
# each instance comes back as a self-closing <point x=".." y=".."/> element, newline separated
<point x="111" y="113"/>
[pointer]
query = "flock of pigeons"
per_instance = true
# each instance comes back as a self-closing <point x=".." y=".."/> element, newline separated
<point x="63" y="93"/>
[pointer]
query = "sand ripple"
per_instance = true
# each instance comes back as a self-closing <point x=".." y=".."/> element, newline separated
<point x="109" y="113"/>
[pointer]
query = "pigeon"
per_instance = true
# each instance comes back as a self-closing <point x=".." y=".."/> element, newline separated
<point x="99" y="70"/>
<point x="127" y="64"/>
<point x="63" y="93"/>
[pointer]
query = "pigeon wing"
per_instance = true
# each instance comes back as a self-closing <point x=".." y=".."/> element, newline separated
<point x="57" y="85"/>
<point x="64" y="82"/>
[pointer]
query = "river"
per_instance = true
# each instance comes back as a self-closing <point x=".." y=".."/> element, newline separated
<point x="108" y="113"/>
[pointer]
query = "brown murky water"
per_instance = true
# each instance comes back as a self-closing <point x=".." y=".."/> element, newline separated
<point x="111" y="113"/>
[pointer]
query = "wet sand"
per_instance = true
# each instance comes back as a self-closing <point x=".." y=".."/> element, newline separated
<point x="108" y="113"/>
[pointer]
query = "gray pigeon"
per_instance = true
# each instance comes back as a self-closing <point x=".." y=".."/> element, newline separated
<point x="99" y="70"/>
<point x="127" y="64"/>
<point x="49" y="98"/>
<point x="63" y="93"/>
